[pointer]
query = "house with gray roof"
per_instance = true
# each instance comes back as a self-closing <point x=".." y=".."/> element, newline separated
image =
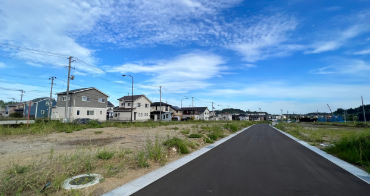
<point x="160" y="108"/>
<point x="82" y="103"/>
<point x="39" y="107"/>
<point x="199" y="113"/>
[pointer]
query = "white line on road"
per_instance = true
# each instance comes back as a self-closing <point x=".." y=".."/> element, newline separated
<point x="346" y="166"/>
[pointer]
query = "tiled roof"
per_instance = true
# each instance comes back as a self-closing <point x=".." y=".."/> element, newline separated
<point x="157" y="104"/>
<point x="200" y="109"/>
<point x="81" y="90"/>
<point x="109" y="104"/>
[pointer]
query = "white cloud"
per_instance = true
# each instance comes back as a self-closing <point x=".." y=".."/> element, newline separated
<point x="362" y="52"/>
<point x="185" y="72"/>
<point x="2" y="65"/>
<point x="34" y="64"/>
<point x="342" y="29"/>
<point x="48" y="26"/>
<point x="120" y="82"/>
<point x="264" y="37"/>
<point x="344" y="66"/>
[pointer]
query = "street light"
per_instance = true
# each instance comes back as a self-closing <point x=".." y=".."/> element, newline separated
<point x="181" y="101"/>
<point x="132" y="94"/>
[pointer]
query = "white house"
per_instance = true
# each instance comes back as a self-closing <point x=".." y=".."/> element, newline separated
<point x="140" y="112"/>
<point x="82" y="103"/>
<point x="225" y="116"/>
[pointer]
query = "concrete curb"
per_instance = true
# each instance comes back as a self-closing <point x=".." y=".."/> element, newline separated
<point x="143" y="181"/>
<point x="344" y="165"/>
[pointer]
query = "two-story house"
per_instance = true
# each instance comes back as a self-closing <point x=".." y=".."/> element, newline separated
<point x="203" y="112"/>
<point x="140" y="108"/>
<point x="82" y="103"/>
<point x="158" y="108"/>
<point x="190" y="112"/>
<point x="39" y="107"/>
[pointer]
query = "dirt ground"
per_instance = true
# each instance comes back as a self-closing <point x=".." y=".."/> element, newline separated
<point x="27" y="148"/>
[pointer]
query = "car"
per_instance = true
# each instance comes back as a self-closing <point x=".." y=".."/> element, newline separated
<point x="85" y="121"/>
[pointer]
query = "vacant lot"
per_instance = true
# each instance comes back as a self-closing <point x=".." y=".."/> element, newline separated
<point x="349" y="142"/>
<point x="29" y="159"/>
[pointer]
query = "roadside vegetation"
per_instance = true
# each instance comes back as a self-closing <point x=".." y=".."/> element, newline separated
<point x="348" y="142"/>
<point x="47" y="127"/>
<point x="29" y="179"/>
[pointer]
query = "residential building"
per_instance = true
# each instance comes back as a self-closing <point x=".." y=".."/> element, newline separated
<point x="165" y="111"/>
<point x="15" y="108"/>
<point x="203" y="112"/>
<point x="225" y="116"/>
<point x="110" y="112"/>
<point x="82" y="103"/>
<point x="244" y="117"/>
<point x="39" y="107"/>
<point x="190" y="112"/>
<point x="176" y="111"/>
<point x="140" y="108"/>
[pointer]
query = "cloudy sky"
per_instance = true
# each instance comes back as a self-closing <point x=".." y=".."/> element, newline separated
<point x="294" y="55"/>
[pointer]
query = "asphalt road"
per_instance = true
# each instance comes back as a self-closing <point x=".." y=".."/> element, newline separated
<point x="258" y="161"/>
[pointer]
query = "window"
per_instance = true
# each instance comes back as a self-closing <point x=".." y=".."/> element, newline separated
<point x="78" y="112"/>
<point x="128" y="104"/>
<point x="146" y="105"/>
<point x="101" y="100"/>
<point x="90" y="112"/>
<point x="64" y="98"/>
<point x="85" y="98"/>
<point x="166" y="115"/>
<point x="115" y="115"/>
<point x="166" y="108"/>
<point x="101" y="112"/>
<point x="122" y="104"/>
<point x="138" y="104"/>
<point x="42" y="111"/>
<point x="119" y="114"/>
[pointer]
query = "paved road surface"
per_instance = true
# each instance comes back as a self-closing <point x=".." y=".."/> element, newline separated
<point x="259" y="161"/>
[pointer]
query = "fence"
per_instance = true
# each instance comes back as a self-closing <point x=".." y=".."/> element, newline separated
<point x="332" y="119"/>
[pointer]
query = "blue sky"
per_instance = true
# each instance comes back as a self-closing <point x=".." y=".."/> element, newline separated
<point x="293" y="55"/>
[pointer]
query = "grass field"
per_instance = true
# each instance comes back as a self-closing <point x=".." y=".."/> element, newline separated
<point x="349" y="142"/>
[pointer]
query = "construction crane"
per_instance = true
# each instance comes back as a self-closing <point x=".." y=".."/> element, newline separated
<point x="332" y="115"/>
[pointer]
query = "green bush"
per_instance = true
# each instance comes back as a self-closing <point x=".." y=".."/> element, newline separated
<point x="105" y="154"/>
<point x="142" y="159"/>
<point x="179" y="143"/>
<point x="185" y="132"/>
<point x="195" y="136"/>
<point x="212" y="136"/>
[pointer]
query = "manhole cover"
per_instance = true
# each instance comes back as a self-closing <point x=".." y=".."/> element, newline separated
<point x="81" y="181"/>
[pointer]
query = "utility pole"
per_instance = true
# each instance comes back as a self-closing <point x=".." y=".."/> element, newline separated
<point x="51" y="92"/>
<point x="22" y="94"/>
<point x="69" y="77"/>
<point x="192" y="105"/>
<point x="363" y="108"/>
<point x="212" y="109"/>
<point x="160" y="103"/>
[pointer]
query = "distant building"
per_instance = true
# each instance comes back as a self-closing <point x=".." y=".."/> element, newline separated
<point x="203" y="112"/>
<point x="160" y="108"/>
<point x="39" y="107"/>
